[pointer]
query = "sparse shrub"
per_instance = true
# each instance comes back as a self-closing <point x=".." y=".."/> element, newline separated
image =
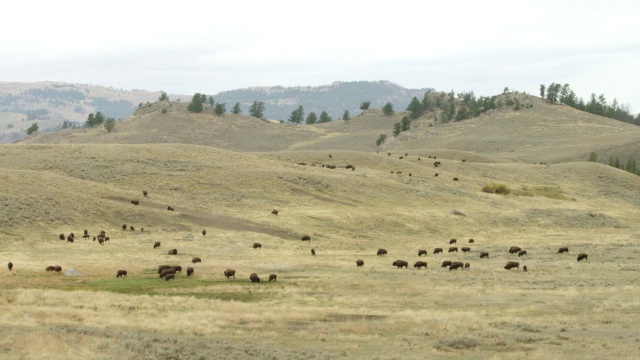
<point x="593" y="157"/>
<point x="381" y="139"/>
<point x="33" y="128"/>
<point x="460" y="342"/>
<point x="110" y="124"/>
<point x="493" y="188"/>
<point x="164" y="111"/>
<point x="509" y="102"/>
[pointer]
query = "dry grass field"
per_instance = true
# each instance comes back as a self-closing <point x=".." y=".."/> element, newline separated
<point x="323" y="306"/>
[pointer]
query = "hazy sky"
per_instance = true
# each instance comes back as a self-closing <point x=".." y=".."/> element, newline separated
<point x="206" y="46"/>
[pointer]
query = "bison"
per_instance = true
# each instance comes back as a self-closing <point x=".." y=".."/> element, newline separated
<point x="274" y="212"/>
<point x="436" y="164"/>
<point x="50" y="268"/>
<point x="563" y="250"/>
<point x="135" y="202"/>
<point x="582" y="256"/>
<point x="465" y="249"/>
<point x="189" y="271"/>
<point x="455" y="179"/>
<point x="422" y="252"/>
<point x="173" y="252"/>
<point x="400" y="264"/>
<point x="514" y="249"/>
<point x="484" y="254"/>
<point x="471" y="241"/>
<point x="257" y="246"/>
<point x="254" y="278"/>
<point x="144" y="192"/>
<point x="132" y="228"/>
<point x="524" y="268"/>
<point x="170" y="208"/>
<point x="453" y="249"/>
<point x="167" y="271"/>
<point x="306" y="238"/>
<point x="10" y="265"/>
<point x="124" y="226"/>
<point x="57" y="268"/>
<point x="437" y="250"/>
<point x="86" y="234"/>
<point x="156" y="244"/>
<point x="436" y="175"/>
<point x="512" y="264"/>
<point x="177" y="268"/>
<point x="229" y="273"/>
<point x="70" y="238"/>
<point x="467" y="265"/>
<point x="313" y="252"/>
<point x="273" y="277"/>
<point x="169" y="277"/>
<point x="446" y="263"/>
<point x="121" y="273"/>
<point x="359" y="263"/>
<point x="522" y="253"/>
<point x="381" y="252"/>
<point x="196" y="260"/>
<point x="453" y="241"/>
<point x="204" y="232"/>
<point x="420" y="264"/>
<point x="456" y="265"/>
<point x="162" y="267"/>
<point x="62" y="237"/>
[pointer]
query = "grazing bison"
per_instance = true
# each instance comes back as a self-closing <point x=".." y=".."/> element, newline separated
<point x="144" y="192"/>
<point x="401" y="157"/>
<point x="166" y="272"/>
<point x="10" y="265"/>
<point x="273" y="277"/>
<point x="348" y="166"/>
<point x="135" y="202"/>
<point x="57" y="268"/>
<point x="388" y="154"/>
<point x="94" y="238"/>
<point x="437" y="250"/>
<point x="170" y="208"/>
<point x="257" y="246"/>
<point x="86" y="234"/>
<point x="106" y="238"/>
<point x="455" y="179"/>
<point x="177" y="268"/>
<point x="170" y="277"/>
<point x="484" y="254"/>
<point x="400" y="264"/>
<point x="422" y="252"/>
<point x="132" y="228"/>
<point x="465" y="249"/>
<point x="467" y="265"/>
<point x="121" y="273"/>
<point x="162" y="267"/>
<point x="524" y="268"/>
<point x="456" y="265"/>
<point x="62" y="237"/>
<point x="381" y="252"/>
<point x="514" y="249"/>
<point x="471" y="241"/>
<point x="563" y="250"/>
<point x="173" y="252"/>
<point x="522" y="253"/>
<point x="512" y="264"/>
<point x="254" y="278"/>
<point x="313" y="252"/>
<point x="189" y="271"/>
<point x="100" y="240"/>
<point x="204" y="232"/>
<point x="436" y="175"/>
<point x="229" y="273"/>
<point x="453" y="249"/>
<point x="359" y="263"/>
<point x="50" y="268"/>
<point x="156" y="244"/>
<point x="453" y="241"/>
<point x="274" y="212"/>
<point x="196" y="260"/>
<point x="420" y="264"/>
<point x="124" y="226"/>
<point x="436" y="164"/>
<point x="582" y="256"/>
<point x="306" y="238"/>
<point x="446" y="263"/>
<point x="70" y="238"/>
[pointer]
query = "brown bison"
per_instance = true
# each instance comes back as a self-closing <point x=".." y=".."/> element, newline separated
<point x="359" y="263"/>
<point x="446" y="263"/>
<point x="86" y="234"/>
<point x="94" y="238"/>
<point x="467" y="265"/>
<point x="471" y="241"/>
<point x="166" y="272"/>
<point x="229" y="273"/>
<point x="254" y="278"/>
<point x="121" y="273"/>
<point x="465" y="249"/>
<point x="453" y="241"/>
<point x="170" y="277"/>
<point x="436" y="164"/>
<point x="484" y="254"/>
<point x="257" y="246"/>
<point x="514" y="249"/>
<point x="582" y="256"/>
<point x="436" y="175"/>
<point x="563" y="250"/>
<point x="524" y="268"/>
<point x="100" y="240"/>
<point x="313" y="252"/>
<point x="453" y="249"/>
<point x="135" y="202"/>
<point x="306" y="238"/>
<point x="156" y="244"/>
<point x="456" y="265"/>
<point x="173" y="252"/>
<point x="401" y="157"/>
<point x="381" y="252"/>
<point x="10" y="265"/>
<point x="437" y="250"/>
<point x="162" y="267"/>
<point x="512" y="264"/>
<point x="124" y="226"/>
<point x="420" y="264"/>
<point x="196" y="260"/>
<point x="422" y="252"/>
<point x="455" y="179"/>
<point x="177" y="268"/>
<point x="274" y="212"/>
<point x="144" y="192"/>
<point x="132" y="228"/>
<point x="62" y="237"/>
<point x="522" y="253"/>
<point x="189" y="271"/>
<point x="170" y="208"/>
<point x="348" y="167"/>
<point x="57" y="268"/>
<point x="204" y="232"/>
<point x="400" y="264"/>
<point x="70" y="238"/>
<point x="273" y="277"/>
<point x="50" y="268"/>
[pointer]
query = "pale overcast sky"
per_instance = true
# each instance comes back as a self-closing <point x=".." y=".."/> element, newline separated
<point x="207" y="46"/>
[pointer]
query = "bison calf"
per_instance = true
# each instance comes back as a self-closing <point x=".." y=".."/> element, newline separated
<point x="156" y="244"/>
<point x="273" y="277"/>
<point x="229" y="273"/>
<point x="274" y="212"/>
<point x="170" y="277"/>
<point x="121" y="273"/>
<point x="582" y="256"/>
<point x="471" y="241"/>
<point x="522" y="253"/>
<point x="10" y="265"/>
<point x="420" y="264"/>
<point x="313" y="252"/>
<point x="467" y="265"/>
<point x="359" y="263"/>
<point x="204" y="232"/>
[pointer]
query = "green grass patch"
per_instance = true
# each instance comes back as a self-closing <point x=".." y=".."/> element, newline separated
<point x="495" y="188"/>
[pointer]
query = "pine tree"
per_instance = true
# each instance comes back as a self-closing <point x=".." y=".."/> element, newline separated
<point x="324" y="117"/>
<point x="415" y="108"/>
<point x="196" y="103"/>
<point x="405" y="123"/>
<point x="387" y="109"/>
<point x="220" y="109"/>
<point x="297" y="115"/>
<point x="346" y="116"/>
<point x="397" y="129"/>
<point x="381" y="139"/>
<point x="236" y="109"/>
<point x="163" y="96"/>
<point x="312" y="118"/>
<point x="365" y="105"/>
<point x="257" y="109"/>
<point x="110" y="124"/>
<point x="542" y="88"/>
<point x="33" y="128"/>
<point x="211" y="101"/>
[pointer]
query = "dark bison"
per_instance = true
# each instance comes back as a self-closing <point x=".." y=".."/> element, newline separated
<point x="453" y="249"/>
<point x="471" y="241"/>
<point x="254" y="278"/>
<point x="86" y="234"/>
<point x="420" y="264"/>
<point x="512" y="264"/>
<point x="62" y="237"/>
<point x="400" y="264"/>
<point x="381" y="252"/>
<point x="229" y="273"/>
<point x="50" y="268"/>
<point x="453" y="241"/>
<point x="306" y="238"/>
<point x="446" y="263"/>
<point x="436" y="175"/>
<point x="522" y="253"/>
<point x="582" y="256"/>
<point x="189" y="271"/>
<point x="484" y="254"/>
<point x="135" y="202"/>
<point x="257" y="246"/>
<point x="401" y="157"/>
<point x="170" y="277"/>
<point x="132" y="228"/>
<point x="563" y="250"/>
<point x="467" y="265"/>
<point x="144" y="192"/>
<point x="177" y="268"/>
<point x="204" y="232"/>
<point x="70" y="238"/>
<point x="170" y="208"/>
<point x="313" y="252"/>
<point x="173" y="252"/>
<point x="348" y="167"/>
<point x="196" y="260"/>
<point x="455" y="179"/>
<point x="100" y="240"/>
<point x="162" y="267"/>
<point x="10" y="265"/>
<point x="359" y="263"/>
<point x="456" y="265"/>
<point x="465" y="249"/>
<point x="514" y="249"/>
<point x="124" y="226"/>
<point x="166" y="272"/>
<point x="273" y="277"/>
<point x="57" y="268"/>
<point x="121" y="273"/>
<point x="422" y="252"/>
<point x="274" y="212"/>
<point x="437" y="250"/>
<point x="436" y="164"/>
<point x="156" y="244"/>
<point x="524" y="268"/>
<point x="94" y="238"/>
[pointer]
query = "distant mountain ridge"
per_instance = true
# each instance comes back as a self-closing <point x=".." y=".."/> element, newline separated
<point x="334" y="98"/>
